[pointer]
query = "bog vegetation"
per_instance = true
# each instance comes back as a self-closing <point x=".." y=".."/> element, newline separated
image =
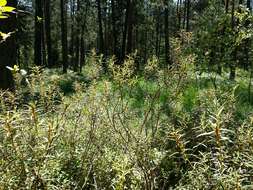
<point x="113" y="94"/>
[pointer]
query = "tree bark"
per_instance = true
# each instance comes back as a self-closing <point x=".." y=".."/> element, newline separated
<point x="82" y="50"/>
<point x="157" y="44"/>
<point x="100" y="25"/>
<point x="248" y="41"/>
<point x="166" y="32"/>
<point x="188" y="16"/>
<point x="77" y="40"/>
<point x="48" y="32"/>
<point x="38" y="33"/>
<point x="179" y="11"/>
<point x="124" y="39"/>
<point x="130" y="27"/>
<point x="249" y="5"/>
<point x="185" y="13"/>
<point x="234" y="53"/>
<point x="64" y="36"/>
<point x="72" y="35"/>
<point x="43" y="37"/>
<point x="114" y="31"/>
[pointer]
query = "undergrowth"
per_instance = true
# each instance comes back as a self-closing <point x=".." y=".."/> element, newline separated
<point x="168" y="128"/>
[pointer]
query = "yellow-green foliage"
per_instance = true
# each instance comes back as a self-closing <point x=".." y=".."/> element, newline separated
<point x="97" y="138"/>
<point x="5" y="9"/>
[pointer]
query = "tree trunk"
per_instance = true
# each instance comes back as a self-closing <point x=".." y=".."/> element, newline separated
<point x="185" y="13"/>
<point x="114" y="31"/>
<point x="248" y="61"/>
<point x="101" y="33"/>
<point x="226" y="5"/>
<point x="188" y="16"/>
<point x="77" y="40"/>
<point x="166" y="32"/>
<point x="249" y="5"/>
<point x="82" y="50"/>
<point x="43" y="37"/>
<point x="124" y="40"/>
<point x="8" y="49"/>
<point x="64" y="36"/>
<point x="38" y="33"/>
<point x="234" y="53"/>
<point x="72" y="36"/>
<point x="130" y="27"/>
<point x="179" y="7"/>
<point x="157" y="44"/>
<point x="48" y="32"/>
<point x="248" y="41"/>
<point x="100" y="25"/>
<point x="106" y="25"/>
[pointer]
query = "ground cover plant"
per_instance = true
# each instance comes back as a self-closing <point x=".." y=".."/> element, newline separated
<point x="163" y="129"/>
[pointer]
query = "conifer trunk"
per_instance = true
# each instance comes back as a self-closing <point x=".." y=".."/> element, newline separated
<point x="38" y="33"/>
<point x="64" y="36"/>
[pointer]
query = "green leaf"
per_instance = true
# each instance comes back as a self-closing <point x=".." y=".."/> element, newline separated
<point x="3" y="3"/>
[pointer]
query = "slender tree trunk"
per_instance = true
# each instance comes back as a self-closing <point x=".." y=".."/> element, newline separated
<point x="157" y="32"/>
<point x="82" y="41"/>
<point x="226" y="5"/>
<point x="185" y="12"/>
<point x="48" y="32"/>
<point x="71" y="49"/>
<point x="179" y="4"/>
<point x="114" y="31"/>
<point x="248" y="41"/>
<point x="43" y="37"/>
<point x="145" y="47"/>
<point x="247" y="52"/>
<point x="64" y="36"/>
<point x="101" y="33"/>
<point x="123" y="53"/>
<point x="18" y="62"/>
<point x="82" y="50"/>
<point x="188" y="16"/>
<point x="8" y="49"/>
<point x="180" y="15"/>
<point x="38" y="33"/>
<point x="234" y="53"/>
<point x="166" y="32"/>
<point x="106" y="23"/>
<point x="100" y="25"/>
<point x="77" y="50"/>
<point x="177" y="9"/>
<point x="249" y="5"/>
<point x="130" y="27"/>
